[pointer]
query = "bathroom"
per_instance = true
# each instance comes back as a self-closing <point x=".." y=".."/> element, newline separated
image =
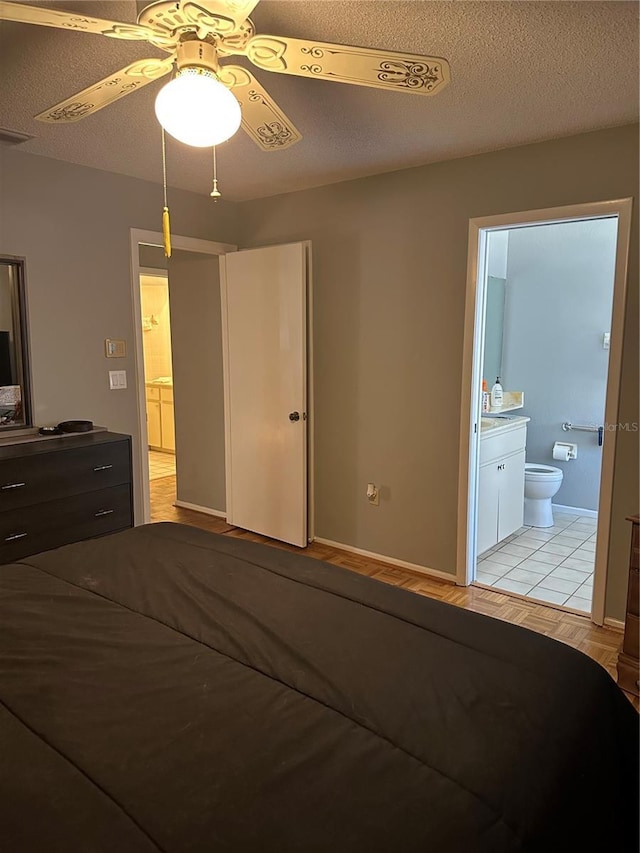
<point x="158" y="371"/>
<point x="549" y="293"/>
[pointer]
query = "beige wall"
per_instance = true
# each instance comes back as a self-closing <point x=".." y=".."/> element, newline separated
<point x="196" y="337"/>
<point x="389" y="266"/>
<point x="72" y="224"/>
<point x="389" y="263"/>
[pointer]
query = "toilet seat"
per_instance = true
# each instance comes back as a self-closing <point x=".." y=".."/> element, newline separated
<point x="533" y="472"/>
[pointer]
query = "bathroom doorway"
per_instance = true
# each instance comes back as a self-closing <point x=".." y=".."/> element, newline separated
<point x="158" y="372"/>
<point x="544" y="313"/>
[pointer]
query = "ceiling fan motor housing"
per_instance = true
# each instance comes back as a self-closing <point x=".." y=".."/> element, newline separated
<point x="194" y="53"/>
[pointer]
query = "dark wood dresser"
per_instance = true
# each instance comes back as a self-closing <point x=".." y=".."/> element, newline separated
<point x="59" y="490"/>
<point x="628" y="666"/>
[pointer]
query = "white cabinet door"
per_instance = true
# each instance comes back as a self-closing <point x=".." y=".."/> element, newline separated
<point x="154" y="430"/>
<point x="488" y="496"/>
<point x="264" y="321"/>
<point x="511" y="502"/>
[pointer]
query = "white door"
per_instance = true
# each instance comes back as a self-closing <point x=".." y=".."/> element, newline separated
<point x="264" y="319"/>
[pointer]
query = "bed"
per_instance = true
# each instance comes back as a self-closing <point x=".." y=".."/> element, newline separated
<point x="169" y="689"/>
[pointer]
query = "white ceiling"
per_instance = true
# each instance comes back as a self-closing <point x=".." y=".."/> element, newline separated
<point x="520" y="72"/>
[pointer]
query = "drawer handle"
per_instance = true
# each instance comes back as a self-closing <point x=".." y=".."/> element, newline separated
<point x="13" y="486"/>
<point x="103" y="467"/>
<point x="15" y="536"/>
<point x="102" y="512"/>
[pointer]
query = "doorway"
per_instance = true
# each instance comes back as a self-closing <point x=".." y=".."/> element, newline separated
<point x="203" y="335"/>
<point x="541" y="287"/>
<point x="144" y="246"/>
<point x="158" y="372"/>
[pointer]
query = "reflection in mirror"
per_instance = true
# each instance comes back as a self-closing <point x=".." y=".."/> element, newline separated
<point x="15" y="400"/>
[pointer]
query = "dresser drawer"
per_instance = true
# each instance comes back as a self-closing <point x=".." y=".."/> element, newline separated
<point x="631" y="636"/>
<point x="62" y="473"/>
<point x="634" y="593"/>
<point x="48" y="525"/>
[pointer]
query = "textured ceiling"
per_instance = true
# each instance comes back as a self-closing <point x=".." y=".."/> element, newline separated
<point x="520" y="72"/>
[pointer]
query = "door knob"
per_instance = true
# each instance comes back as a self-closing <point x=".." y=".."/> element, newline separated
<point x="294" y="416"/>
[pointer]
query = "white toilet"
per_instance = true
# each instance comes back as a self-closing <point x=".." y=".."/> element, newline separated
<point x="541" y="482"/>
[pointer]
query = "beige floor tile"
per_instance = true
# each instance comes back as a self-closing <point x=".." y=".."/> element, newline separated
<point x="537" y="566"/>
<point x="568" y="574"/>
<point x="550" y="595"/>
<point x="516" y="550"/>
<point x="539" y="533"/>
<point x="524" y="576"/>
<point x="491" y="568"/>
<point x="487" y="579"/>
<point x="550" y="548"/>
<point x="579" y="604"/>
<point x="559" y="585"/>
<point x="505" y="559"/>
<point x="574" y="562"/>
<point x="512" y="586"/>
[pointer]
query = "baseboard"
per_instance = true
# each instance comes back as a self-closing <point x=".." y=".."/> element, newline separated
<point x="205" y="509"/>
<point x="614" y="623"/>
<point x="576" y="510"/>
<point x="382" y="558"/>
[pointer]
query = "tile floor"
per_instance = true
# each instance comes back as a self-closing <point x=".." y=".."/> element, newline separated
<point x="161" y="465"/>
<point x="551" y="564"/>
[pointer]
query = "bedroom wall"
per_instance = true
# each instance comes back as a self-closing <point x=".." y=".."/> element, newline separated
<point x="389" y="267"/>
<point x="72" y="225"/>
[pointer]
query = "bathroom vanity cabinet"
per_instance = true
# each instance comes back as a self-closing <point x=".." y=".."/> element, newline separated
<point x="161" y="433"/>
<point x="501" y="481"/>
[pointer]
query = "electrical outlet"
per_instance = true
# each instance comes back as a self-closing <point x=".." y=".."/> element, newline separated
<point x="373" y="494"/>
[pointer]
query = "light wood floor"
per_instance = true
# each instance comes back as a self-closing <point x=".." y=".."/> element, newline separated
<point x="602" y="644"/>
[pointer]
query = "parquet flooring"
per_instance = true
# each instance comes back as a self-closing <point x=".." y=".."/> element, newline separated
<point x="601" y="644"/>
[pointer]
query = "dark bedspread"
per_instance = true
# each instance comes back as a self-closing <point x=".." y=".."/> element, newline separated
<point x="168" y="689"/>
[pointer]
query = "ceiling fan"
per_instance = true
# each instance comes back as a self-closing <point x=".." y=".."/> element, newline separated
<point x="196" y="34"/>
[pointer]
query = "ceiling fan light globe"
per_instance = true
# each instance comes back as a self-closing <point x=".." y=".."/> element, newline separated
<point x="198" y="110"/>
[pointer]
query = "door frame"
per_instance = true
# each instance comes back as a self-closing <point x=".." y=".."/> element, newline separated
<point x="309" y="422"/>
<point x="472" y="366"/>
<point x="186" y="244"/>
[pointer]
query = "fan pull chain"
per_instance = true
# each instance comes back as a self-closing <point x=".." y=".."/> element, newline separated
<point x="215" y="193"/>
<point x="166" y="224"/>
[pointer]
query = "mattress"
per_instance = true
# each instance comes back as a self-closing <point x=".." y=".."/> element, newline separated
<point x="169" y="689"/>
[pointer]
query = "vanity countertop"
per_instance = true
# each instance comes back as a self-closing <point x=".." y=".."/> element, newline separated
<point x="492" y="424"/>
<point x="161" y="381"/>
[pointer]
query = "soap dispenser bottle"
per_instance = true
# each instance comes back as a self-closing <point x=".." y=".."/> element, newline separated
<point x="496" y="394"/>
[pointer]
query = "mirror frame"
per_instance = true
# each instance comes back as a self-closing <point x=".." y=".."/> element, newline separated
<point x="17" y="279"/>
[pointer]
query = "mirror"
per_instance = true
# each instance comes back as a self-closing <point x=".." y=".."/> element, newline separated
<point x="15" y="393"/>
<point x="494" y="329"/>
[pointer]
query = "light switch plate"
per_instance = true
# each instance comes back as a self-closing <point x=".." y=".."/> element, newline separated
<point x="117" y="380"/>
<point x="114" y="348"/>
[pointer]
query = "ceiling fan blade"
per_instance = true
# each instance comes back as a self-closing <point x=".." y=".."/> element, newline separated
<point x="236" y="11"/>
<point x="381" y="69"/>
<point x="107" y="91"/>
<point x="24" y="14"/>
<point x="262" y="119"/>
